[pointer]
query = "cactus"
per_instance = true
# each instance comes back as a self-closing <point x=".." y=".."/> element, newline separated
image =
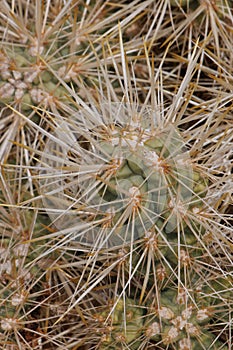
<point x="21" y="273"/>
<point x="25" y="81"/>
<point x="141" y="179"/>
<point x="177" y="320"/>
<point x="120" y="326"/>
<point x="115" y="175"/>
<point x="48" y="47"/>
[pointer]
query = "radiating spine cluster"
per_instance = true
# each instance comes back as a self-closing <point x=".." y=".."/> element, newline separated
<point x="116" y="174"/>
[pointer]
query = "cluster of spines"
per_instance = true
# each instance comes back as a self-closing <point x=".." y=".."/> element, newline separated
<point x="187" y="239"/>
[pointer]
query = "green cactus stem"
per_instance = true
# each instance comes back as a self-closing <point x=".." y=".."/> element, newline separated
<point x="177" y="320"/>
<point x="122" y="326"/>
<point x="130" y="178"/>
